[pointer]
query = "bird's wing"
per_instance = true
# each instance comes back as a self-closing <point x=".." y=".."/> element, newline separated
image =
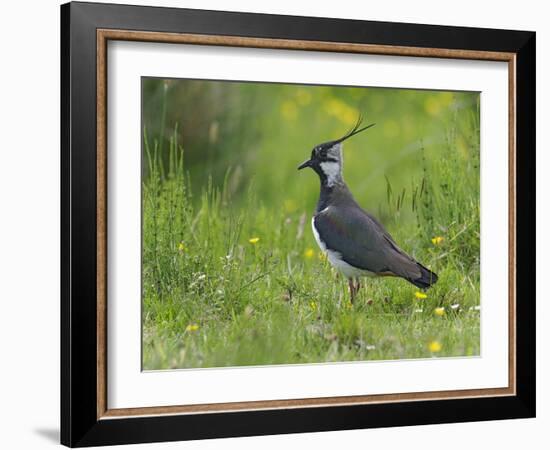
<point x="363" y="242"/>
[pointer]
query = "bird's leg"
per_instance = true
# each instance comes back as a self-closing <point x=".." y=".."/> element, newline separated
<point x="357" y="285"/>
<point x="351" y="289"/>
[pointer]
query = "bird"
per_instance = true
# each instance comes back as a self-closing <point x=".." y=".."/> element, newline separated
<point x="354" y="241"/>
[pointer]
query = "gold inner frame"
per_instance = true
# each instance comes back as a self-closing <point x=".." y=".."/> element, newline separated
<point x="103" y="36"/>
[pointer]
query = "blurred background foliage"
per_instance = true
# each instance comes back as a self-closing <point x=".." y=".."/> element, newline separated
<point x="246" y="133"/>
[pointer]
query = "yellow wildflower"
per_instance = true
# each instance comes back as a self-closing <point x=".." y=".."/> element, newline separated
<point x="434" y="346"/>
<point x="313" y="305"/>
<point x="309" y="253"/>
<point x="420" y="295"/>
<point x="191" y="327"/>
<point x="254" y="240"/>
<point x="439" y="311"/>
<point x="438" y="240"/>
<point x="182" y="247"/>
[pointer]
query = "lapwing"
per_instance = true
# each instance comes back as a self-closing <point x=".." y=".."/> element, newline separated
<point x="355" y="243"/>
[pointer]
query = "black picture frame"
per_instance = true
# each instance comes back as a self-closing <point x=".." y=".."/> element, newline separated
<point x="80" y="425"/>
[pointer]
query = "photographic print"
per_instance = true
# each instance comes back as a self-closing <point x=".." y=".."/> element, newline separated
<point x="299" y="224"/>
<point x="278" y="224"/>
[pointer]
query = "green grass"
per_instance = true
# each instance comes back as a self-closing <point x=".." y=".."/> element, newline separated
<point x="213" y="298"/>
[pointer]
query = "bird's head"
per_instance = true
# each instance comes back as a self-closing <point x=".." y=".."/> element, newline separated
<point x="326" y="159"/>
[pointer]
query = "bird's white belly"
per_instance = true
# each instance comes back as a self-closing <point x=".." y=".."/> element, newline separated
<point x="335" y="258"/>
<point x="320" y="243"/>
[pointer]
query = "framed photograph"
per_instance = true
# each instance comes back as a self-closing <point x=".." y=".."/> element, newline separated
<point x="276" y="224"/>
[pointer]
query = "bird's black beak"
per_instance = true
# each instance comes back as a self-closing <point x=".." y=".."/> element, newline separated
<point x="305" y="164"/>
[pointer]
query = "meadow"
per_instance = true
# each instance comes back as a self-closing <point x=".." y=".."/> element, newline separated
<point x="231" y="274"/>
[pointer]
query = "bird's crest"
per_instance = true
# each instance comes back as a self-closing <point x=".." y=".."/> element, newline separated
<point x="355" y="130"/>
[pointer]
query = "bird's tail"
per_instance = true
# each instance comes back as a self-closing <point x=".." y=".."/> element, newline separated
<point x="426" y="279"/>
